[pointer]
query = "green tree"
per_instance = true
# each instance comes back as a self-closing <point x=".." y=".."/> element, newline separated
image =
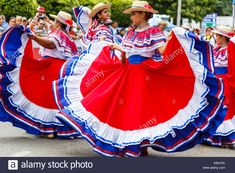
<point x="191" y="9"/>
<point x="18" y="7"/>
<point x="117" y="11"/>
<point x="224" y="7"/>
<point x="54" y="6"/>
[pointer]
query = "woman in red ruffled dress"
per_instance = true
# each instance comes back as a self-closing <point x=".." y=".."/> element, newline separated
<point x="225" y="134"/>
<point x="163" y="95"/>
<point x="27" y="99"/>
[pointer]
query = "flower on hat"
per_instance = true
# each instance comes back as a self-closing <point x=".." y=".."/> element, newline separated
<point x="231" y="34"/>
<point x="148" y="6"/>
<point x="140" y="6"/>
<point x="69" y="22"/>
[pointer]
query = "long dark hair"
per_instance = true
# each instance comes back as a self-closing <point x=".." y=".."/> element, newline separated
<point x="148" y="15"/>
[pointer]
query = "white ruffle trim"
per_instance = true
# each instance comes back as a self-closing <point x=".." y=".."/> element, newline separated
<point x="226" y="128"/>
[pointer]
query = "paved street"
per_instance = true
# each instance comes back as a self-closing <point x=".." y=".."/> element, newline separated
<point x="15" y="142"/>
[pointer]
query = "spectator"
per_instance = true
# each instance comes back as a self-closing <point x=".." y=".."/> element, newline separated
<point x="40" y="12"/>
<point x="3" y="25"/>
<point x="32" y="24"/>
<point x="40" y="28"/>
<point x="113" y="27"/>
<point x="162" y="25"/>
<point x="209" y="36"/>
<point x="24" y="21"/>
<point x="12" y="21"/>
<point x="41" y="15"/>
<point x="19" y="20"/>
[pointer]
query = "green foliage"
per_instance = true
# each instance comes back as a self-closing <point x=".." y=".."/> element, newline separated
<point x="54" y="6"/>
<point x="224" y="8"/>
<point x="192" y="9"/>
<point x="18" y="7"/>
<point x="117" y="11"/>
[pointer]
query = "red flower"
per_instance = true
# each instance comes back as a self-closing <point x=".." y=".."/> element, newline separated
<point x="231" y="34"/>
<point x="69" y="22"/>
<point x="148" y="6"/>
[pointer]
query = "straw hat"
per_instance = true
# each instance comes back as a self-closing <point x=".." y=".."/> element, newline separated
<point x="63" y="17"/>
<point x="140" y="6"/>
<point x="98" y="7"/>
<point x="186" y="26"/>
<point x="223" y="30"/>
<point x="162" y="22"/>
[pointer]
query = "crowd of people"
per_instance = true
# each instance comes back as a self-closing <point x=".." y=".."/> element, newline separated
<point x="39" y="24"/>
<point x="124" y="91"/>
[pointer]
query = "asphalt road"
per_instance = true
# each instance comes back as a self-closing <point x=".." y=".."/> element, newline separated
<point x="15" y="142"/>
